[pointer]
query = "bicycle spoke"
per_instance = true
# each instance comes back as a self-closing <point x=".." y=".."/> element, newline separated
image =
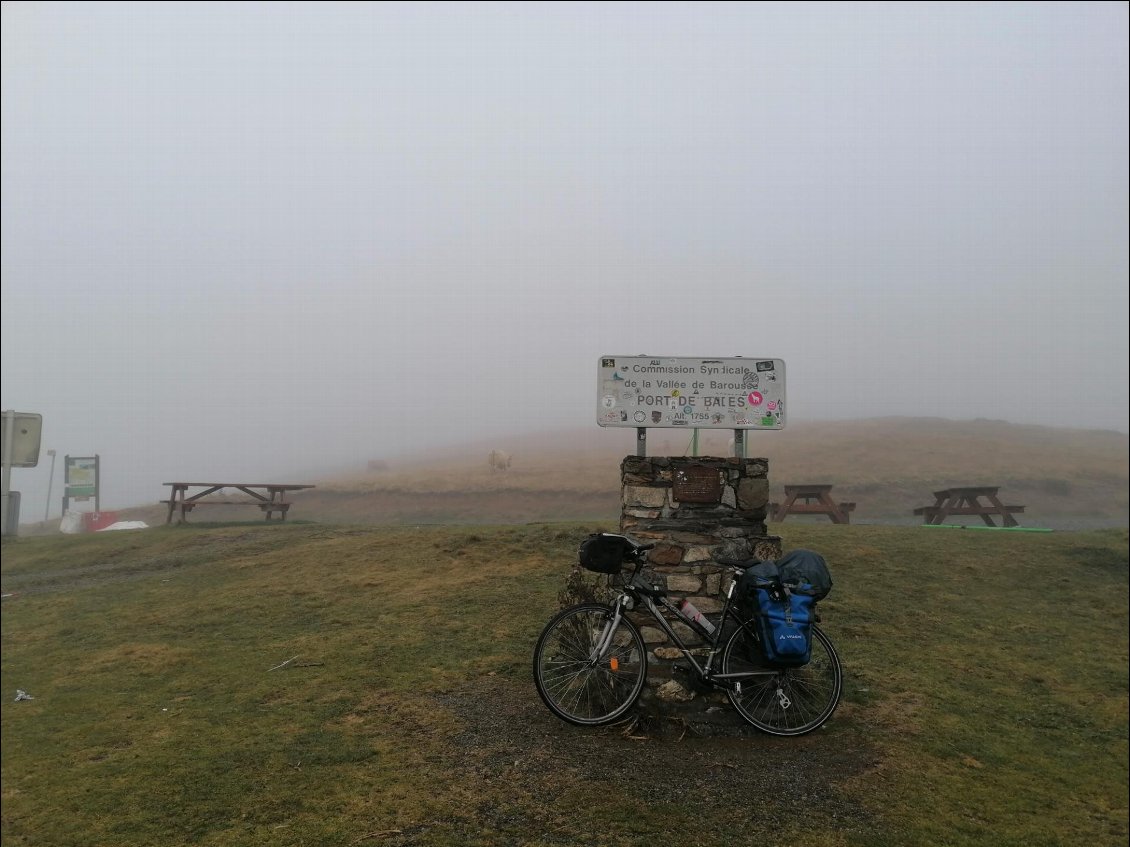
<point x="791" y="701"/>
<point x="577" y="685"/>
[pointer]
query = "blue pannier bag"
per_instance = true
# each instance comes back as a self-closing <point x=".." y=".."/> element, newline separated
<point x="781" y="596"/>
<point x="784" y="621"/>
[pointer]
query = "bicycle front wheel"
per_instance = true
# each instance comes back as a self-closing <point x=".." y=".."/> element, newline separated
<point x="579" y="682"/>
<point x="783" y="701"/>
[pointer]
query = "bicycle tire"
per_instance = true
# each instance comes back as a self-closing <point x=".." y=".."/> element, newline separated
<point x="579" y="687"/>
<point x="784" y="701"/>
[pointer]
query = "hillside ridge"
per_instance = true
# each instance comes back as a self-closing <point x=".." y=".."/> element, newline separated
<point x="1065" y="478"/>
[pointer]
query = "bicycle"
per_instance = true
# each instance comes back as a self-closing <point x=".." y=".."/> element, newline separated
<point x="590" y="661"/>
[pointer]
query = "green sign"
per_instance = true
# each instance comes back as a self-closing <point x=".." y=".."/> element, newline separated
<point x="81" y="476"/>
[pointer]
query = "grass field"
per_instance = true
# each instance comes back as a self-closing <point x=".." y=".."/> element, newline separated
<point x="1066" y="479"/>
<point x="309" y="684"/>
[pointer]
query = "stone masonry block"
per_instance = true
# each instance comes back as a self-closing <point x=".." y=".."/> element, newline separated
<point x="707" y="605"/>
<point x="684" y="582"/>
<point x="637" y="496"/>
<point x="753" y="493"/>
<point x="666" y="554"/>
<point x="697" y="554"/>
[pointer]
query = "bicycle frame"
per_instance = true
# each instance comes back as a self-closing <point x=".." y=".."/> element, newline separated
<point x="591" y="662"/>
<point x="633" y="594"/>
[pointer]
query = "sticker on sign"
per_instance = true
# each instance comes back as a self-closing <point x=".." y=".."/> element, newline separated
<point x="656" y="391"/>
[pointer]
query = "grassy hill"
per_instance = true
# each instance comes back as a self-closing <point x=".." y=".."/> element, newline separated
<point x="300" y="683"/>
<point x="1066" y="479"/>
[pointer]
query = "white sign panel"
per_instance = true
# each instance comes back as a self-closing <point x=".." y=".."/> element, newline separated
<point x="25" y="435"/>
<point x="653" y="391"/>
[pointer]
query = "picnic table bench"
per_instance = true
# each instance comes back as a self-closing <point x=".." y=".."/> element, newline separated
<point x="811" y="500"/>
<point x="270" y="497"/>
<point x="968" y="501"/>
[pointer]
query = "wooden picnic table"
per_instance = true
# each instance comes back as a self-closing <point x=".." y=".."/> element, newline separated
<point x="811" y="500"/>
<point x="270" y="497"/>
<point x="981" y="501"/>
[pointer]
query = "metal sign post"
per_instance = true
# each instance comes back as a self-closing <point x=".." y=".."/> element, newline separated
<point x="739" y="443"/>
<point x="9" y="430"/>
<point x="21" y="450"/>
<point x="50" y="480"/>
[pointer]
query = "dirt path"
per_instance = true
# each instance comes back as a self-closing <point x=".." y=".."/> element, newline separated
<point x="748" y="784"/>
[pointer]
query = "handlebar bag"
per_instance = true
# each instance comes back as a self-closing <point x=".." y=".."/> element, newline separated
<point x="604" y="553"/>
<point x="784" y="622"/>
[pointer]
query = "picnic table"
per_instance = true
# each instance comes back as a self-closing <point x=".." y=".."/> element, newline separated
<point x="270" y="497"/>
<point x="981" y="501"/>
<point x="811" y="500"/>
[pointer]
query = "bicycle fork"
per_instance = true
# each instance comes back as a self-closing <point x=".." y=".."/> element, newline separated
<point x="604" y="640"/>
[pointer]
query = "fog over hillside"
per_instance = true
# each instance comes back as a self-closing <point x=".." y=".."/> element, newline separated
<point x="261" y="241"/>
<point x="1066" y="479"/>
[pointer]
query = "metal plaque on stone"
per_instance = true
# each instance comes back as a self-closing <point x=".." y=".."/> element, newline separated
<point x="697" y="484"/>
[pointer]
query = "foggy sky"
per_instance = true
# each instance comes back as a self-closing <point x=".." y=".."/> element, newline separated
<point x="260" y="239"/>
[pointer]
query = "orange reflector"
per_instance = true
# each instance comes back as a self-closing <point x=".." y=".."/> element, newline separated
<point x="614" y="663"/>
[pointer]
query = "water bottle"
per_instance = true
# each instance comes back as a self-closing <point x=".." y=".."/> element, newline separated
<point x="693" y="614"/>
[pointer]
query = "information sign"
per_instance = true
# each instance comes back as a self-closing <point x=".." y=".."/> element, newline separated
<point x="656" y="391"/>
<point x="26" y="428"/>
<point x="80" y="477"/>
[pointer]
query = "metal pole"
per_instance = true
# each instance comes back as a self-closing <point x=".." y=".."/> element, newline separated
<point x="50" y="479"/>
<point x="6" y="481"/>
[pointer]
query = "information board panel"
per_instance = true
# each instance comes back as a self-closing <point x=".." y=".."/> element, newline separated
<point x="26" y="429"/>
<point x="657" y="391"/>
<point x="80" y="476"/>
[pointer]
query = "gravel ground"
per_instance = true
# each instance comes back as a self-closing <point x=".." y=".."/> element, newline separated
<point x="742" y="786"/>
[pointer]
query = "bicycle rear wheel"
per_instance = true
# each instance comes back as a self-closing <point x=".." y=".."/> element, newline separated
<point x="578" y="685"/>
<point x="784" y="701"/>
